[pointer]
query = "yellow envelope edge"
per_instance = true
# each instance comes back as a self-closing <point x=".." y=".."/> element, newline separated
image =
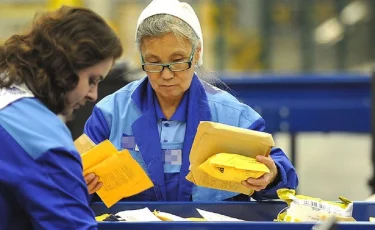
<point x="228" y="130"/>
<point x="229" y="173"/>
<point x="97" y="154"/>
<point x="238" y="162"/>
<point x="83" y="144"/>
<point x="110" y="199"/>
<point x="210" y="140"/>
<point x="122" y="177"/>
<point x="101" y="217"/>
<point x="200" y="178"/>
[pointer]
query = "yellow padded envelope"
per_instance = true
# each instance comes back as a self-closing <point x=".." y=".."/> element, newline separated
<point x="96" y="155"/>
<point x="120" y="174"/>
<point x="233" y="167"/>
<point x="213" y="138"/>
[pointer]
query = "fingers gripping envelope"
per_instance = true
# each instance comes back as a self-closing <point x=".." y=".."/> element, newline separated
<point x="120" y="174"/>
<point x="222" y="156"/>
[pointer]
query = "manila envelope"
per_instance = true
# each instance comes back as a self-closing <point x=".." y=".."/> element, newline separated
<point x="120" y="174"/>
<point x="213" y="138"/>
<point x="96" y="155"/>
<point x="83" y="144"/>
<point x="233" y="167"/>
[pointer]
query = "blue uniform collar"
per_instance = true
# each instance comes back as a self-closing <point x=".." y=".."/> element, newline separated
<point x="179" y="115"/>
<point x="147" y="136"/>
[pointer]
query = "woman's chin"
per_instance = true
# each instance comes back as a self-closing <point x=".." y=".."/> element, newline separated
<point x="67" y="112"/>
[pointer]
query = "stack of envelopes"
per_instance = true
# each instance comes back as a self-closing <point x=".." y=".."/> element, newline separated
<point x="222" y="156"/>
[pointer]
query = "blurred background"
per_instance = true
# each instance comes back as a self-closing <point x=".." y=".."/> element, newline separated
<point x="250" y="35"/>
<point x="257" y="39"/>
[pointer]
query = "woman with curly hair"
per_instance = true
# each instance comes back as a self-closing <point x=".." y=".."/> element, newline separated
<point x="51" y="70"/>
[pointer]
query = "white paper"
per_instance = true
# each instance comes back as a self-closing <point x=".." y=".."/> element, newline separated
<point x="138" y="215"/>
<point x="211" y="216"/>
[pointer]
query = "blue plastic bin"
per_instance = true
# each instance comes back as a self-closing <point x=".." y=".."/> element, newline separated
<point x="262" y="213"/>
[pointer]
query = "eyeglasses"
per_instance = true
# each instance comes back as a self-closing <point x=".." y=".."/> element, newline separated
<point x="174" y="66"/>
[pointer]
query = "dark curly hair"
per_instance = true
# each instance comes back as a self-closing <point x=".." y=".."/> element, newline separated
<point x="59" y="44"/>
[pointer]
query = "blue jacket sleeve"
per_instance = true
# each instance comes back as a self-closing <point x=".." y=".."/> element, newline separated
<point x="53" y="191"/>
<point x="287" y="176"/>
<point x="96" y="126"/>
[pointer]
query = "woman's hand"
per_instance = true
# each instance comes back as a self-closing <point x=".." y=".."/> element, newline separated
<point x="263" y="181"/>
<point x="93" y="183"/>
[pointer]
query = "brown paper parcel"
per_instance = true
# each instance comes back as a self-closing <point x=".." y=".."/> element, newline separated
<point x="213" y="138"/>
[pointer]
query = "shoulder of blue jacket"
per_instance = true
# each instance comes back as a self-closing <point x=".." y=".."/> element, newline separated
<point x="226" y="108"/>
<point x="122" y="96"/>
<point x="120" y="104"/>
<point x="35" y="128"/>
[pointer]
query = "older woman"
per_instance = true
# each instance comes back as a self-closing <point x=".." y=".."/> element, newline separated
<point x="156" y="118"/>
<point x="51" y="70"/>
